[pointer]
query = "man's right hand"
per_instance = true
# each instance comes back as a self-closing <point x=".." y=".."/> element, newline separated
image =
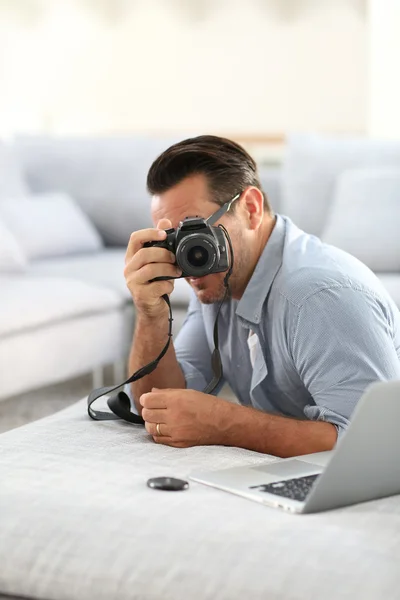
<point x="143" y="264"/>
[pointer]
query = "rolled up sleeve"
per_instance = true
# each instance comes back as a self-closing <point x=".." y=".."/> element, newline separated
<point x="343" y="341"/>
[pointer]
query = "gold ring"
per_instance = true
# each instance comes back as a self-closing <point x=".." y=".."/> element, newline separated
<point x="158" y="428"/>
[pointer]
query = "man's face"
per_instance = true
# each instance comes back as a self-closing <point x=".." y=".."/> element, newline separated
<point x="192" y="198"/>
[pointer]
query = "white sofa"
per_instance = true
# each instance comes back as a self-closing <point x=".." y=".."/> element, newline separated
<point x="64" y="315"/>
<point x="69" y="313"/>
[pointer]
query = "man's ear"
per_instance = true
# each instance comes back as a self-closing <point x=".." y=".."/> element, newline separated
<point x="252" y="202"/>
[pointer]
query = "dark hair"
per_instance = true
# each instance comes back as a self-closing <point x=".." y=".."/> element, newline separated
<point x="229" y="169"/>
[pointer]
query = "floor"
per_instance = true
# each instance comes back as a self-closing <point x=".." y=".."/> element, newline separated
<point x="24" y="408"/>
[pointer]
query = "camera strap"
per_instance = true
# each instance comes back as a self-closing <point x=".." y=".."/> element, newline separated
<point x="120" y="404"/>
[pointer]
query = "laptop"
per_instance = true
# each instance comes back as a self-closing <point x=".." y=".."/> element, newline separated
<point x="365" y="464"/>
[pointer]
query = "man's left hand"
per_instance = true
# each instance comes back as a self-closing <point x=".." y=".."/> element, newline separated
<point x="185" y="417"/>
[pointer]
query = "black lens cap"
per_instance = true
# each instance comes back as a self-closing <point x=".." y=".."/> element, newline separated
<point x="170" y="484"/>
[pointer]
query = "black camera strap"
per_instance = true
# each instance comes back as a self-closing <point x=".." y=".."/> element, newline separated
<point x="120" y="404"/>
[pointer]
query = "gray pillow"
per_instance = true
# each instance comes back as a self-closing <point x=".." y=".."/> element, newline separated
<point x="311" y="166"/>
<point x="50" y="225"/>
<point x="106" y="176"/>
<point x="364" y="219"/>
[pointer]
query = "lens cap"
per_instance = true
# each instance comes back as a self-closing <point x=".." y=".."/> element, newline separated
<point x="169" y="484"/>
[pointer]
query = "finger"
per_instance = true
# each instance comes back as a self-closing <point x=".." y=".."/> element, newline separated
<point x="146" y="256"/>
<point x="154" y="415"/>
<point x="161" y="440"/>
<point x="153" y="270"/>
<point x="162" y="432"/>
<point x="164" y="224"/>
<point x="160" y="288"/>
<point x="138" y="238"/>
<point x="153" y="400"/>
<point x="148" y="291"/>
<point x="167" y="441"/>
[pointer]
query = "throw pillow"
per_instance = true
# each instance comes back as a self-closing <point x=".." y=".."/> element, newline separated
<point x="106" y="176"/>
<point x="12" y="258"/>
<point x="12" y="184"/>
<point x="50" y="225"/>
<point x="365" y="217"/>
<point x="312" y="165"/>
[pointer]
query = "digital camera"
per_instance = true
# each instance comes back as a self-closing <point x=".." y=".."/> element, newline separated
<point x="200" y="249"/>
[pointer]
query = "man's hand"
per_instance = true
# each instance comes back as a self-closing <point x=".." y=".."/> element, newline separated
<point x="189" y="418"/>
<point x="185" y="417"/>
<point x="144" y="264"/>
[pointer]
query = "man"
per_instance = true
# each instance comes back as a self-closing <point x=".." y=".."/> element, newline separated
<point x="307" y="327"/>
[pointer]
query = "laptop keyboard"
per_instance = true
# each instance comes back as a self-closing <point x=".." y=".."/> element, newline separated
<point x="295" y="489"/>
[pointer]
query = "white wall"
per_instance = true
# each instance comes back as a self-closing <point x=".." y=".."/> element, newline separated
<point x="260" y="66"/>
<point x="384" y="77"/>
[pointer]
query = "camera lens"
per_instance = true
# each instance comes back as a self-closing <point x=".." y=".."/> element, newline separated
<point x="197" y="256"/>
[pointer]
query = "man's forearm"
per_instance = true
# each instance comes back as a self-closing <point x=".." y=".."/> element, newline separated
<point x="149" y="339"/>
<point x="271" y="434"/>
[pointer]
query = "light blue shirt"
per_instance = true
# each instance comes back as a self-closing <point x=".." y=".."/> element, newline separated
<point x="326" y="328"/>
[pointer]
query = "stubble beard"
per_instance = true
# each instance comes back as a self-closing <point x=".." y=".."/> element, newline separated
<point x="236" y="280"/>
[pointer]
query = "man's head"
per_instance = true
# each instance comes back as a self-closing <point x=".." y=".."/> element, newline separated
<point x="194" y="178"/>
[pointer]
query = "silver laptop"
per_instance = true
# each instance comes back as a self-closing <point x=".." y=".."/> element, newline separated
<point x="365" y="464"/>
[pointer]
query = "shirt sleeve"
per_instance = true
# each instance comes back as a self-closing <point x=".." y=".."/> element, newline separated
<point x="192" y="350"/>
<point x="343" y="341"/>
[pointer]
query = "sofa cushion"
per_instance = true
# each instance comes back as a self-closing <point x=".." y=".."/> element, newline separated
<point x="271" y="182"/>
<point x="79" y="523"/>
<point x="107" y="176"/>
<point x="59" y="350"/>
<point x="105" y="268"/>
<point x="12" y="184"/>
<point x="311" y="166"/>
<point x="50" y="225"/>
<point x="364" y="219"/>
<point x="28" y="301"/>
<point x="12" y="257"/>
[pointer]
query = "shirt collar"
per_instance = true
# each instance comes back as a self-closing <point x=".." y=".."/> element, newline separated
<point x="251" y="303"/>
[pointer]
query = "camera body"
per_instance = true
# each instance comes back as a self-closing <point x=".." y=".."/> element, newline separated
<point x="200" y="249"/>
